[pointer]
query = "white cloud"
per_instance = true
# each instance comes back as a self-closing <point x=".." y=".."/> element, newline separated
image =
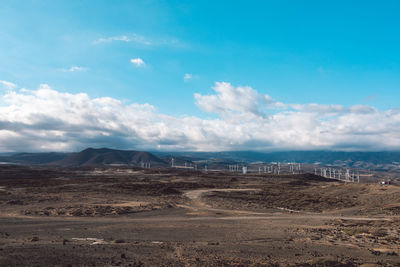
<point x="142" y="41"/>
<point x="187" y="77"/>
<point x="138" y="62"/>
<point x="135" y="38"/>
<point x="8" y="85"/>
<point x="361" y="109"/>
<point x="190" y="77"/>
<point x="319" y="108"/>
<point x="45" y="119"/>
<point x="324" y="109"/>
<point x="74" y="68"/>
<point x="233" y="99"/>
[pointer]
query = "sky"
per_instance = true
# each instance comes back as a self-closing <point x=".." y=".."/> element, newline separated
<point x="199" y="75"/>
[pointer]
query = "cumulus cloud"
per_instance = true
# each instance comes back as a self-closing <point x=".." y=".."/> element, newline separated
<point x="319" y="108"/>
<point x="324" y="109"/>
<point x="74" y="69"/>
<point x="7" y="85"/>
<point x="48" y="120"/>
<point x="138" y="62"/>
<point x="233" y="99"/>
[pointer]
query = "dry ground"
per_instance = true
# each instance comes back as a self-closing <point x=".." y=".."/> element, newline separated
<point x="133" y="217"/>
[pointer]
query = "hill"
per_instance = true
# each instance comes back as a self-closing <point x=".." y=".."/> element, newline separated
<point x="106" y="156"/>
<point x="33" y="158"/>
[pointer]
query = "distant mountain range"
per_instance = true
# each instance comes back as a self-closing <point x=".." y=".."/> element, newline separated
<point x="87" y="157"/>
<point x="106" y="156"/>
<point x="366" y="160"/>
<point x="32" y="158"/>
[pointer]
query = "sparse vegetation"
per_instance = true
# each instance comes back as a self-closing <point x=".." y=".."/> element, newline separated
<point x="33" y="239"/>
<point x="118" y="241"/>
<point x="133" y="217"/>
<point x="354" y="231"/>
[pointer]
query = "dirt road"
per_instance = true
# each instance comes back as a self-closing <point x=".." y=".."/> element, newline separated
<point x="198" y="204"/>
<point x="177" y="219"/>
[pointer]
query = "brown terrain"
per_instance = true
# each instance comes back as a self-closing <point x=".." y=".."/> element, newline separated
<point x="120" y="216"/>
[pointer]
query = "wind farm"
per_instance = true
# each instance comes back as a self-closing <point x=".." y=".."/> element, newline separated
<point x="199" y="133"/>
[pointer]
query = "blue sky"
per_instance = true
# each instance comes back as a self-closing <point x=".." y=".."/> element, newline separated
<point x="297" y="52"/>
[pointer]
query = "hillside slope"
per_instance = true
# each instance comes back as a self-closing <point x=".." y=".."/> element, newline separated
<point x="33" y="158"/>
<point x="106" y="156"/>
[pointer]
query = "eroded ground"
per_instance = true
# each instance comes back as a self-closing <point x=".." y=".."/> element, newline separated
<point x="133" y="217"/>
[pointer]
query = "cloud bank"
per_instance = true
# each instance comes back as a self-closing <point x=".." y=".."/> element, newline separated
<point x="48" y="120"/>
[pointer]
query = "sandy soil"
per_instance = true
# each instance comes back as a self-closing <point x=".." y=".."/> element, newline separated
<point x="126" y="217"/>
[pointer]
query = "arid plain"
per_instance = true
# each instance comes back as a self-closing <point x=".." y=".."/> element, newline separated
<point x="120" y="216"/>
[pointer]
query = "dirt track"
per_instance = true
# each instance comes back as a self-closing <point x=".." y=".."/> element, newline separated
<point x="126" y="218"/>
<point x="197" y="204"/>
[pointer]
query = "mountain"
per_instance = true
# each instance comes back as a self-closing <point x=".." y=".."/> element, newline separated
<point x="32" y="158"/>
<point x="106" y="156"/>
<point x="370" y="160"/>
